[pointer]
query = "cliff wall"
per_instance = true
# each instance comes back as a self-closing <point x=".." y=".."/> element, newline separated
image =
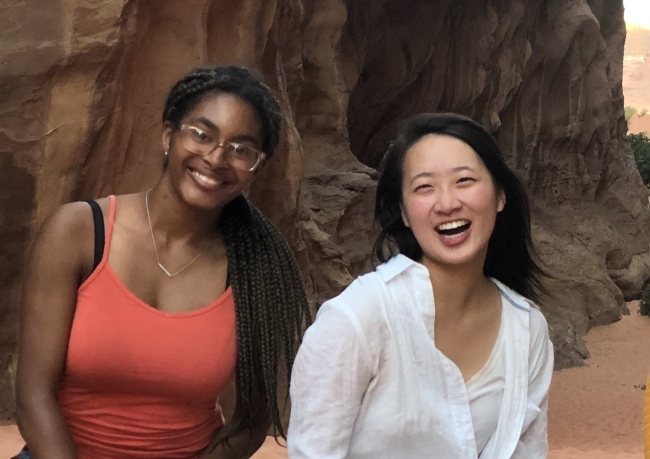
<point x="83" y="83"/>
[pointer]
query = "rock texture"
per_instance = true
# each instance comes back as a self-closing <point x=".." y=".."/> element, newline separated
<point x="83" y="83"/>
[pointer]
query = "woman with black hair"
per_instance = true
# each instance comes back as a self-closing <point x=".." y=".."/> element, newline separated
<point x="440" y="352"/>
<point x="139" y="309"/>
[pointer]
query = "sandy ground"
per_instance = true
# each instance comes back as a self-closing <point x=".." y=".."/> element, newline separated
<point x="595" y="411"/>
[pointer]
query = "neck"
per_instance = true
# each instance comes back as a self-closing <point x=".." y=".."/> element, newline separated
<point x="457" y="288"/>
<point x="173" y="220"/>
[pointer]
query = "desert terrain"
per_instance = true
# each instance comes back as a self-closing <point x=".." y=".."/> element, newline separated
<point x="596" y="409"/>
<point x="636" y="77"/>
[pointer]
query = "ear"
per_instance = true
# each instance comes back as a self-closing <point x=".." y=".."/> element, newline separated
<point x="167" y="136"/>
<point x="501" y="200"/>
<point x="404" y="217"/>
<point x="259" y="167"/>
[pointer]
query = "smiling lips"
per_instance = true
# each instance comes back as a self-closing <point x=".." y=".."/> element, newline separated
<point x="207" y="182"/>
<point x="453" y="229"/>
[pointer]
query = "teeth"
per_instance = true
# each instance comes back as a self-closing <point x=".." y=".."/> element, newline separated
<point x="202" y="178"/>
<point x="452" y="225"/>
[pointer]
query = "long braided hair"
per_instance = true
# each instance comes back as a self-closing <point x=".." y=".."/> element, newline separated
<point x="270" y="302"/>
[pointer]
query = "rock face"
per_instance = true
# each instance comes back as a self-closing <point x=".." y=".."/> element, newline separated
<point x="83" y="84"/>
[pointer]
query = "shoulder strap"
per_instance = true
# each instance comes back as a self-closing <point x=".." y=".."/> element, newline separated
<point x="98" y="220"/>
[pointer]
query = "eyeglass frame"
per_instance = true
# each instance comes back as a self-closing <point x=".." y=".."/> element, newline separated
<point x="222" y="144"/>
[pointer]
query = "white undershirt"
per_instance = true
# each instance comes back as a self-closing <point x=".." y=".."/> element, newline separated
<point x="485" y="393"/>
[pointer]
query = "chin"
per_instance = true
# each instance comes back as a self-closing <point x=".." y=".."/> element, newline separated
<point x="462" y="257"/>
<point x="204" y="200"/>
<point x="454" y="261"/>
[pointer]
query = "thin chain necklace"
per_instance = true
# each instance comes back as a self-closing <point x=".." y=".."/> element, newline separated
<point x="155" y="249"/>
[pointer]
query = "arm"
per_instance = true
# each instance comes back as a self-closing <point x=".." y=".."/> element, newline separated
<point x="533" y="443"/>
<point x="331" y="373"/>
<point x="49" y="297"/>
<point x="244" y="444"/>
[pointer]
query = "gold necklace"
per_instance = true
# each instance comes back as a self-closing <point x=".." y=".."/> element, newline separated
<point x="155" y="249"/>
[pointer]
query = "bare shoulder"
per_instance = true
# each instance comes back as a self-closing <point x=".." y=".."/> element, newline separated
<point x="68" y="223"/>
<point x="73" y="222"/>
<point x="63" y="245"/>
<point x="129" y="208"/>
<point x="104" y="204"/>
<point x="71" y="228"/>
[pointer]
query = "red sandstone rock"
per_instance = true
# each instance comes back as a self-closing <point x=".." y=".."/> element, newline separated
<point x="83" y="84"/>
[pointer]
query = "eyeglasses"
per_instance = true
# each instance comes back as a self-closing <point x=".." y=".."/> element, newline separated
<point x="203" y="143"/>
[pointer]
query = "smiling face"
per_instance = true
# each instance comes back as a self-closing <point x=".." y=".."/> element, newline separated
<point x="209" y="181"/>
<point x="449" y="200"/>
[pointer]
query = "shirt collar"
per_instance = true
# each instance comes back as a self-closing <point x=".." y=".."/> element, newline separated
<point x="512" y="297"/>
<point x="395" y="266"/>
<point x="400" y="263"/>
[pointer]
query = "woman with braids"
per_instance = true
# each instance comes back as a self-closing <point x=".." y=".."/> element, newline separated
<point x="139" y="309"/>
<point x="439" y="353"/>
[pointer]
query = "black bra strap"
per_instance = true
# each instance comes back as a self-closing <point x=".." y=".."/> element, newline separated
<point x="98" y="220"/>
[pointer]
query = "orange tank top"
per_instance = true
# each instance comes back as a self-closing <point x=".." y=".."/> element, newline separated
<point x="141" y="383"/>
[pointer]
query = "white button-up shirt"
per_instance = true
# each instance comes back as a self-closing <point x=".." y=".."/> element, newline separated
<point x="369" y="383"/>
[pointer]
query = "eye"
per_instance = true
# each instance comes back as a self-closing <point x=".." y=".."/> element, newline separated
<point x="200" y="135"/>
<point x="466" y="180"/>
<point x="239" y="149"/>
<point x="422" y="187"/>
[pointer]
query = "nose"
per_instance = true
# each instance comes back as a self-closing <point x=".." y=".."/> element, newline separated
<point x="217" y="156"/>
<point x="447" y="201"/>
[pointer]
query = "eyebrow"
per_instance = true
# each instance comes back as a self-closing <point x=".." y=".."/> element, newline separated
<point x="239" y="138"/>
<point x="431" y="174"/>
<point x="207" y="122"/>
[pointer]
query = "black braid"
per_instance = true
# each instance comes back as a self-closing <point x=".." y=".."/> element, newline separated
<point x="271" y="305"/>
<point x="270" y="301"/>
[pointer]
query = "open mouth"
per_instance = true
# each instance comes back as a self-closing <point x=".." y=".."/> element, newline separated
<point x="451" y="229"/>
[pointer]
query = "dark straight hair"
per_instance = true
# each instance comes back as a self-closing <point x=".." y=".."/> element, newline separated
<point x="511" y="257"/>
